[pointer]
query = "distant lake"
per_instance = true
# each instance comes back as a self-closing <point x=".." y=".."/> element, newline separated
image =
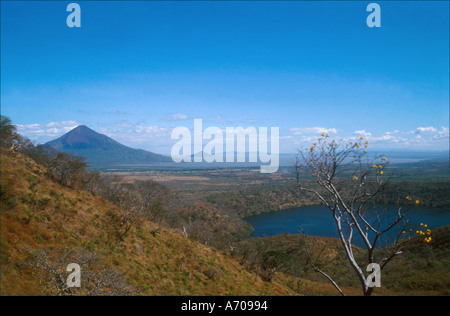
<point x="284" y="161"/>
<point x="318" y="221"/>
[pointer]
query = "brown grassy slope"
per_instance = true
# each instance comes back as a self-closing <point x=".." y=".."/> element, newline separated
<point x="38" y="213"/>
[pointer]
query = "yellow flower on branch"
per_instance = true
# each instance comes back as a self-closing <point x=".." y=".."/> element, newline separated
<point x="355" y="178"/>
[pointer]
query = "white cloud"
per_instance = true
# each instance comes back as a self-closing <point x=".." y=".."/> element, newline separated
<point x="362" y="133"/>
<point x="62" y="124"/>
<point x="443" y="133"/>
<point x="149" y="137"/>
<point x="393" y="132"/>
<point x="42" y="133"/>
<point x="312" y="130"/>
<point x="420" y="130"/>
<point x="389" y="137"/>
<point x="176" y="117"/>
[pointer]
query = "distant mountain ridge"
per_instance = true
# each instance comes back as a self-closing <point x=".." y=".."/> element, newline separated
<point x="101" y="150"/>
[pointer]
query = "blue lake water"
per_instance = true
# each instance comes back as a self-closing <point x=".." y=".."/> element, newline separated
<point x="318" y="221"/>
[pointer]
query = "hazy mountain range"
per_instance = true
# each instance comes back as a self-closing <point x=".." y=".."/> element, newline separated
<point x="101" y="150"/>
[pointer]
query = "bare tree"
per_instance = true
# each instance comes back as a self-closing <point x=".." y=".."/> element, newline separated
<point x="137" y="201"/>
<point x="129" y="202"/>
<point x="50" y="268"/>
<point x="351" y="184"/>
<point x="92" y="181"/>
<point x="8" y="134"/>
<point x="153" y="195"/>
<point x="67" y="169"/>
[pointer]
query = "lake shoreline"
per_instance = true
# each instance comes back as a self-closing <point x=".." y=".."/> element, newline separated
<point x="317" y="221"/>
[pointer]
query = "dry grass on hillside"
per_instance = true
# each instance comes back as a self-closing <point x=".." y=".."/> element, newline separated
<point x="40" y="214"/>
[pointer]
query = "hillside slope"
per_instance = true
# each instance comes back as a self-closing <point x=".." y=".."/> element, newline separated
<point x="40" y="214"/>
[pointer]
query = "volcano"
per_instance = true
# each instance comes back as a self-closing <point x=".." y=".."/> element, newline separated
<point x="101" y="150"/>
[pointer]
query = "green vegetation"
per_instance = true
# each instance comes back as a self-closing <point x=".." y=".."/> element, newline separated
<point x="270" y="198"/>
<point x="423" y="269"/>
<point x="181" y="231"/>
<point x="261" y="199"/>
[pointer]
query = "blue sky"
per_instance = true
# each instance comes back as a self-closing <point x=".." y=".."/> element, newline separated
<point x="135" y="70"/>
